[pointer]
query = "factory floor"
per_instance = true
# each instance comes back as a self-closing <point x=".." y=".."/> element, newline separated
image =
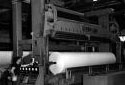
<point x="116" y="78"/>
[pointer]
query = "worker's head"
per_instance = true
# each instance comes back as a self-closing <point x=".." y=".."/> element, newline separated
<point x="17" y="60"/>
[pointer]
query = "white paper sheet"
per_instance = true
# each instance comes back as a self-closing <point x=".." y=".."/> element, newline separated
<point x="76" y="59"/>
<point x="6" y="56"/>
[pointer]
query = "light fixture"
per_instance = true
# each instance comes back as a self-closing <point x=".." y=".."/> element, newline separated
<point x="95" y="0"/>
<point x="122" y="38"/>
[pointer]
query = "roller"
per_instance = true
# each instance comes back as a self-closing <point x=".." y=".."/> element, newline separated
<point x="66" y="60"/>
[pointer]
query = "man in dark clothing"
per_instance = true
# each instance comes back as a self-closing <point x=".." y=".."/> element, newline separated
<point x="15" y="69"/>
<point x="11" y="73"/>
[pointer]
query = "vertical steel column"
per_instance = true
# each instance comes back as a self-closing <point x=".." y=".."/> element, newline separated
<point x="118" y="52"/>
<point x="17" y="26"/>
<point x="37" y="22"/>
<point x="39" y="41"/>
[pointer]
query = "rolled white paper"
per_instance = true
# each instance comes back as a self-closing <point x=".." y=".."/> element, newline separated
<point x="66" y="60"/>
<point x="6" y="57"/>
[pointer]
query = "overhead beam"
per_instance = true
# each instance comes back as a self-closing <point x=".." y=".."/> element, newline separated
<point x="97" y="6"/>
<point x="70" y="11"/>
<point x="99" y="12"/>
<point x="27" y="1"/>
<point x="4" y="10"/>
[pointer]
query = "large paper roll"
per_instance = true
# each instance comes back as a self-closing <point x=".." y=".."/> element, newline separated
<point x="66" y="60"/>
<point x="6" y="57"/>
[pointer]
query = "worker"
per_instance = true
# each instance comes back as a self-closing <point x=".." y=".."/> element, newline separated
<point x="15" y="67"/>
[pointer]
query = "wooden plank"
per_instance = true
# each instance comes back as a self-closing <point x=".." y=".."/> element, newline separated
<point x="22" y="42"/>
<point x="17" y="25"/>
<point x="53" y="47"/>
<point x="70" y="11"/>
<point x="38" y="29"/>
<point x="99" y="12"/>
<point x="17" y="29"/>
<point x="37" y="16"/>
<point x="26" y="47"/>
<point x="37" y="22"/>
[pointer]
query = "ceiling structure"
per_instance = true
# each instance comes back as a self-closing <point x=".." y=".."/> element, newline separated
<point x="77" y="5"/>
